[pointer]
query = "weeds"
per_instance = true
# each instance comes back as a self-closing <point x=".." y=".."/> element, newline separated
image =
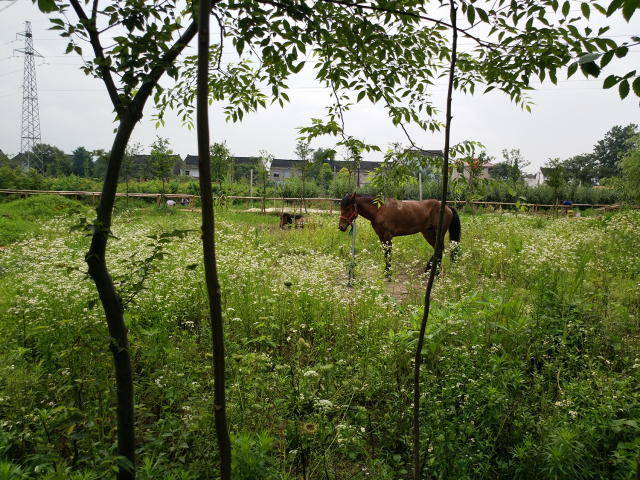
<point x="531" y="365"/>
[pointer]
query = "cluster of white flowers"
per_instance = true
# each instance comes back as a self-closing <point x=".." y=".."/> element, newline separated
<point x="323" y="405"/>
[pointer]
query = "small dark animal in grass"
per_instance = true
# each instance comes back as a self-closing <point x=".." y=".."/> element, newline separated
<point x="396" y="218"/>
<point x="288" y="220"/>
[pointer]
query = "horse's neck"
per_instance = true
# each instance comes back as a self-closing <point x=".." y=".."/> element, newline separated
<point x="366" y="208"/>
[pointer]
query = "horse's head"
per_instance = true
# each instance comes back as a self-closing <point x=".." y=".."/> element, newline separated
<point x="348" y="211"/>
<point x="284" y="220"/>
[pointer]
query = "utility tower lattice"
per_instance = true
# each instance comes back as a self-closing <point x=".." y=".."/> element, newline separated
<point x="30" y="114"/>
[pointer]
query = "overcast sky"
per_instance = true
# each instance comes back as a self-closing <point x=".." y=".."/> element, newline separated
<point x="75" y="110"/>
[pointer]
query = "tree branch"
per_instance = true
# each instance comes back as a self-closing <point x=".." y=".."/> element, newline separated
<point x="90" y="25"/>
<point x="168" y="58"/>
<point x="94" y="10"/>
<point x="436" y="255"/>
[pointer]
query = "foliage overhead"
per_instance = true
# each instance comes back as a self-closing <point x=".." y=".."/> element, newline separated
<point x="389" y="53"/>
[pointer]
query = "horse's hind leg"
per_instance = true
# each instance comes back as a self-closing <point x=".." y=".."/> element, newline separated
<point x="430" y="236"/>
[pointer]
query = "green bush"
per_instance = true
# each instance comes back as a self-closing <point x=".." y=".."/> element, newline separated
<point x="292" y="188"/>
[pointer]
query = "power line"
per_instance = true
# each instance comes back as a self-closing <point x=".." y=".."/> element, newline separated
<point x="10" y="95"/>
<point x="15" y="71"/>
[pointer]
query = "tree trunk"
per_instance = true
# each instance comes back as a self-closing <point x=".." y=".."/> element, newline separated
<point x="118" y="332"/>
<point x="436" y="254"/>
<point x="208" y="242"/>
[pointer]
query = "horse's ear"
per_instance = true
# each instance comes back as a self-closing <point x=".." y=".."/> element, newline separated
<point x="353" y="197"/>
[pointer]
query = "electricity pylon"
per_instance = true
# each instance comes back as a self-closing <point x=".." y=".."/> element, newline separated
<point x="30" y="113"/>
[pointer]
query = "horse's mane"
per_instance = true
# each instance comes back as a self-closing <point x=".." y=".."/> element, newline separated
<point x="346" y="201"/>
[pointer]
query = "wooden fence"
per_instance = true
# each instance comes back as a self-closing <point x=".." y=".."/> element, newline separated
<point x="298" y="201"/>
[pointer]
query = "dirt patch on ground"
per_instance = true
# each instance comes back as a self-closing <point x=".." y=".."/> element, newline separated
<point x="405" y="287"/>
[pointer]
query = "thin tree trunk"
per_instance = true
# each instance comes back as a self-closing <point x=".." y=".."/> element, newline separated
<point x="208" y="242"/>
<point x="129" y="114"/>
<point x="436" y="255"/>
<point x="118" y="333"/>
<point x="302" y="193"/>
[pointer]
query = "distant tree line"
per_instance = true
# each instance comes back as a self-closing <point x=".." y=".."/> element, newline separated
<point x="614" y="162"/>
<point x="593" y="168"/>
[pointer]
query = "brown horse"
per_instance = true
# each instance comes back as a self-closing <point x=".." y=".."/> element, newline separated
<point x="396" y="218"/>
<point x="286" y="219"/>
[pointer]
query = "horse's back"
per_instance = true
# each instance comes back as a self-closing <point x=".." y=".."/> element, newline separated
<point x="408" y="217"/>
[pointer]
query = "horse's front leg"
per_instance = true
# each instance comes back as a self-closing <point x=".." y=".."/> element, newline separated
<point x="385" y="240"/>
<point x="386" y="247"/>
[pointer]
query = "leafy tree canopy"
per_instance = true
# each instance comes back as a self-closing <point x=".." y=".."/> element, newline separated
<point x="590" y="168"/>
<point x="581" y="169"/>
<point x="99" y="170"/>
<point x="162" y="160"/>
<point x="630" y="166"/>
<point x="500" y="171"/>
<point x="221" y="163"/>
<point x="82" y="162"/>
<point x="612" y="148"/>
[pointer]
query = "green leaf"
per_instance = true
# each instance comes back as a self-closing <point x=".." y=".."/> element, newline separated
<point x="361" y="96"/>
<point x="72" y="419"/>
<point x="610" y="81"/>
<point x="47" y="6"/>
<point x="624" y="89"/>
<point x="606" y="58"/>
<point x="565" y="8"/>
<point x="586" y="11"/>
<point x="621" y="52"/>
<point x="573" y="68"/>
<point x="629" y="7"/>
<point x="600" y="9"/>
<point x="590" y="69"/>
<point x="483" y="15"/>
<point x="591" y="57"/>
<point x="471" y="14"/>
<point x="636" y="86"/>
<point x="613" y="6"/>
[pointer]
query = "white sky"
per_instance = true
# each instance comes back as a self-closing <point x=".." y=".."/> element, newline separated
<point x="75" y="110"/>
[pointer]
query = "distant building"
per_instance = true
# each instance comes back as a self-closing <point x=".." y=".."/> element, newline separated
<point x="282" y="169"/>
<point x="532" y="179"/>
<point x="189" y="167"/>
<point x="140" y="160"/>
<point x="466" y="171"/>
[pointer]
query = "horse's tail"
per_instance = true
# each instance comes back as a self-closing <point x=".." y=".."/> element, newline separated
<point x="454" y="228"/>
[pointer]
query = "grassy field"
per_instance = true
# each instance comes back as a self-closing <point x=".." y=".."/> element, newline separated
<point x="531" y="363"/>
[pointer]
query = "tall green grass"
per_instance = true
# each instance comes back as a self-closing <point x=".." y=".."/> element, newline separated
<point x="530" y="371"/>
